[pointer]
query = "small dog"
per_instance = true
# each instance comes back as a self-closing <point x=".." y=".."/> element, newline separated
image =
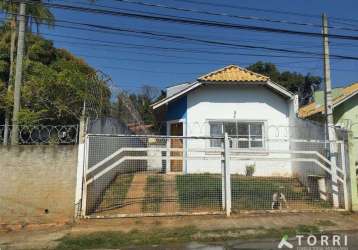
<point x="278" y="201"/>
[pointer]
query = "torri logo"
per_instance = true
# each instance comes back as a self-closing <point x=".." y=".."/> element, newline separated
<point x="285" y="243"/>
<point x="316" y="242"/>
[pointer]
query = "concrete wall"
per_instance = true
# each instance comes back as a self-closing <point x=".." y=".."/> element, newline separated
<point x="37" y="184"/>
<point x="240" y="103"/>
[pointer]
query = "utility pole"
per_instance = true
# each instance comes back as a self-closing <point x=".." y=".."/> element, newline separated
<point x="18" y="73"/>
<point x="329" y="112"/>
<point x="11" y="73"/>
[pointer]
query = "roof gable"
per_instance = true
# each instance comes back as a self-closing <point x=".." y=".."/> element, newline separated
<point x="316" y="107"/>
<point x="233" y="73"/>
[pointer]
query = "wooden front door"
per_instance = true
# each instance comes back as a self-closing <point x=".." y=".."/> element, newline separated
<point x="176" y="129"/>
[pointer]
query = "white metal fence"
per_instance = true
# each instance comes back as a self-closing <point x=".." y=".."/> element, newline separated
<point x="131" y="175"/>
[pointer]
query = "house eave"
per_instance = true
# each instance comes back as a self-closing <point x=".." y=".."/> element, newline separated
<point x="274" y="86"/>
<point x="280" y="89"/>
<point x="175" y="96"/>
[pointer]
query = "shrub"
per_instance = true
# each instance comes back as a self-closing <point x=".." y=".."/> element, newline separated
<point x="250" y="170"/>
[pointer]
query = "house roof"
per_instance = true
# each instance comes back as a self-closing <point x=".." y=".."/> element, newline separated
<point x="231" y="74"/>
<point x="318" y="96"/>
<point x="340" y="95"/>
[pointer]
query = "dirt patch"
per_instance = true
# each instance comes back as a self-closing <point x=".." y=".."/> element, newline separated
<point x="132" y="203"/>
<point x="177" y="235"/>
<point x="170" y="199"/>
<point x="34" y="237"/>
<point x="116" y="193"/>
<point x="214" y="227"/>
<point x="154" y="194"/>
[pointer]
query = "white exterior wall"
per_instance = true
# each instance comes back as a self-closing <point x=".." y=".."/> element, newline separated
<point x="308" y="135"/>
<point x="256" y="103"/>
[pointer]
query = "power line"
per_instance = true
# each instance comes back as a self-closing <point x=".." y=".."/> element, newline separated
<point x="255" y="18"/>
<point x="200" y="40"/>
<point x="246" y="8"/>
<point x="252" y="18"/>
<point x="241" y="7"/>
<point x="192" y="21"/>
<point x="196" y="2"/>
<point x="143" y="46"/>
<point x="181" y="63"/>
<point x="213" y="13"/>
<point x="180" y="37"/>
<point x="233" y="45"/>
<point x="155" y="36"/>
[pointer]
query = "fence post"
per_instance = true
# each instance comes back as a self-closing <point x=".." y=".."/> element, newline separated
<point x="223" y="192"/>
<point x="346" y="177"/>
<point x="84" y="182"/>
<point x="168" y="156"/>
<point x="227" y="175"/>
<point x="81" y="133"/>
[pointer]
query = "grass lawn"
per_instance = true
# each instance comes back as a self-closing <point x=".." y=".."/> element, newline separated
<point x="256" y="192"/>
<point x="117" y="240"/>
<point x="116" y="193"/>
<point x="199" y="190"/>
<point x="248" y="193"/>
<point x="154" y="193"/>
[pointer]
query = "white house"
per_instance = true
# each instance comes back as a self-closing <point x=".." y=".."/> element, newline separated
<point x="252" y="109"/>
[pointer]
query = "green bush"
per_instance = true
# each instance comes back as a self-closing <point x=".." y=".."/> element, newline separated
<point x="250" y="170"/>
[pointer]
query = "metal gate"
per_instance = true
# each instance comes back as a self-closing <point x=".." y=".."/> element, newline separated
<point x="146" y="175"/>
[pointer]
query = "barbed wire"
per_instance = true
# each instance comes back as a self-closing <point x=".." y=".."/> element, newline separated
<point x="44" y="134"/>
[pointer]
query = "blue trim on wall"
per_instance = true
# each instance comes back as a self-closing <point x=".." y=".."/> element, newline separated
<point x="177" y="109"/>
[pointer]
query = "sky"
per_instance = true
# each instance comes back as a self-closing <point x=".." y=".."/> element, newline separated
<point x="133" y="60"/>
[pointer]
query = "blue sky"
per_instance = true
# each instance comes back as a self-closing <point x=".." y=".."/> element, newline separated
<point x="131" y="67"/>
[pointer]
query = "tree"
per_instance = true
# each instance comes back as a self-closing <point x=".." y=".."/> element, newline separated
<point x="135" y="107"/>
<point x="40" y="15"/>
<point x="303" y="85"/>
<point x="310" y="85"/>
<point x="56" y="84"/>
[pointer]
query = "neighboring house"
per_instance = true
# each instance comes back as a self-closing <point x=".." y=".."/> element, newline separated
<point x="248" y="106"/>
<point x="345" y="108"/>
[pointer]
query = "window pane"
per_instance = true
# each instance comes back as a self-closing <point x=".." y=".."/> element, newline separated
<point x="243" y="144"/>
<point x="243" y="129"/>
<point x="230" y="128"/>
<point x="216" y="131"/>
<point x="256" y="144"/>
<point x="256" y="135"/>
<point x="243" y="135"/>
<point x="256" y="129"/>
<point x="256" y="141"/>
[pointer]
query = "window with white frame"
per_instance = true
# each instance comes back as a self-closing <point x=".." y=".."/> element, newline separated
<point x="244" y="134"/>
